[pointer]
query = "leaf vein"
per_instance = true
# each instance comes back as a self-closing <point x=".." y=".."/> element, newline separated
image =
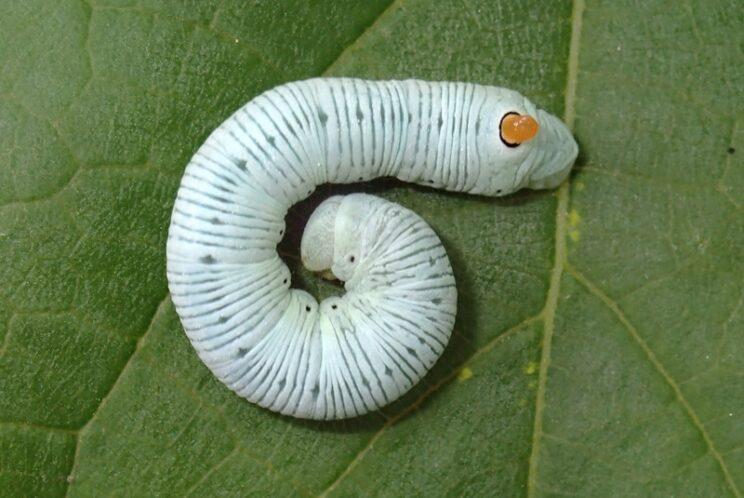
<point x="659" y="366"/>
<point x="551" y="304"/>
<point x="420" y="400"/>
<point x="391" y="6"/>
<point x="81" y="431"/>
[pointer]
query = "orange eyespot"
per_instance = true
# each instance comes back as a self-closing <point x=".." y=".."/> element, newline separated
<point x="516" y="129"/>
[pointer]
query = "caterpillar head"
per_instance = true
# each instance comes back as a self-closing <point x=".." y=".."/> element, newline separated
<point x="521" y="145"/>
<point x="316" y="247"/>
<point x="333" y="243"/>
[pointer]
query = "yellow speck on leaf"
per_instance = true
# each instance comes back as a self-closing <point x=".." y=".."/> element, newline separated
<point x="579" y="186"/>
<point x="464" y="374"/>
<point x="531" y="368"/>
<point x="574" y="218"/>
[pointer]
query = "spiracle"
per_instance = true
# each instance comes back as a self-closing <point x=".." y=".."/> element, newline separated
<point x="349" y="355"/>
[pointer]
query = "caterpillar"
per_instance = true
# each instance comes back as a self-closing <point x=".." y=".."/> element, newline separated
<point x="346" y="356"/>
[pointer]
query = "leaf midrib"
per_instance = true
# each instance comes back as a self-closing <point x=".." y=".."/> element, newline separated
<point x="560" y="257"/>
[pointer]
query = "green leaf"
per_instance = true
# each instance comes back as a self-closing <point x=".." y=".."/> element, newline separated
<point x="598" y="345"/>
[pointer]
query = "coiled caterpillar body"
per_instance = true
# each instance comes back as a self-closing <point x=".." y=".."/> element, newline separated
<point x="278" y="347"/>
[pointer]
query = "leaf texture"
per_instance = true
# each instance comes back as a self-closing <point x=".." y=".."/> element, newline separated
<point x="598" y="341"/>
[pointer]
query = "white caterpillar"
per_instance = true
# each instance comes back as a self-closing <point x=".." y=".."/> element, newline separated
<point x="276" y="346"/>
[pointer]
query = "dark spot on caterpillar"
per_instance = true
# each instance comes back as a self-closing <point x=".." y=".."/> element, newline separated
<point x="222" y="319"/>
<point x="216" y="221"/>
<point x="436" y="300"/>
<point x="208" y="259"/>
<point x="308" y="308"/>
<point x="281" y="232"/>
<point x="333" y="306"/>
<point x="731" y="150"/>
<point x="282" y="383"/>
<point x="421" y="340"/>
<point x="284" y="281"/>
<point x="315" y="391"/>
<point x="498" y="191"/>
<point x="410" y="117"/>
<point x="365" y="381"/>
<point x="241" y="352"/>
<point x="322" y="116"/>
<point x="351" y="259"/>
<point x="388" y="372"/>
<point x="440" y="122"/>
<point x="272" y="141"/>
<point x="359" y="115"/>
<point x="412" y="352"/>
<point x="477" y="125"/>
<point x="361" y="178"/>
<point x="240" y="163"/>
<point x="432" y="261"/>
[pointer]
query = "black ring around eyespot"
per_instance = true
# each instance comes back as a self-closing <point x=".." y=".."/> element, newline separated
<point x="510" y="145"/>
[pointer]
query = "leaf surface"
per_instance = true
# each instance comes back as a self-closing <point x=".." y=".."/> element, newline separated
<point x="600" y="330"/>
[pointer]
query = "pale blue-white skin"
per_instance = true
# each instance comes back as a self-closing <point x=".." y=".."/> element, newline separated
<point x="278" y="347"/>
